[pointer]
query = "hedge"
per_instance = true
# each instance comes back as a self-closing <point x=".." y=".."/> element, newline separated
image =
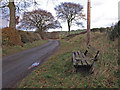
<point x="10" y="37"/>
<point x="115" y="33"/>
<point x="17" y="37"/>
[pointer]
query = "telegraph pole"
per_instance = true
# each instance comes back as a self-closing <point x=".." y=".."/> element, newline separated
<point x="88" y="22"/>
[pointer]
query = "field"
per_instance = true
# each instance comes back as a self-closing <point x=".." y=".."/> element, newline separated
<point x="58" y="71"/>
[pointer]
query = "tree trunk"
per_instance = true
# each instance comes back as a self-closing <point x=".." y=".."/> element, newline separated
<point x="41" y="34"/>
<point x="12" y="23"/>
<point x="68" y="26"/>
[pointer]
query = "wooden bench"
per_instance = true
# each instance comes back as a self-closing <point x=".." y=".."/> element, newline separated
<point x="85" y="60"/>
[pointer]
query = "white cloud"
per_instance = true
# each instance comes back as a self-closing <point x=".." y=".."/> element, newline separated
<point x="3" y="23"/>
<point x="103" y="12"/>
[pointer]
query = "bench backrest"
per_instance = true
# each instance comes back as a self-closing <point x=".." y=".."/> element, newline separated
<point x="92" y="51"/>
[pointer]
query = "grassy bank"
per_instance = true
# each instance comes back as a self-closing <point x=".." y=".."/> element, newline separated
<point x="58" y="71"/>
<point x="65" y="33"/>
<point x="7" y="50"/>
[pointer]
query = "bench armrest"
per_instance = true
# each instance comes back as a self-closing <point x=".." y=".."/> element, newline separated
<point x="85" y="52"/>
<point x="96" y="57"/>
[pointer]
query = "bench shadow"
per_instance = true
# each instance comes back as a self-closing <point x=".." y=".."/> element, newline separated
<point x="84" y="70"/>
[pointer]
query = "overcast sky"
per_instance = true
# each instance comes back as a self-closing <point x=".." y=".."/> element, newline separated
<point x="103" y="12"/>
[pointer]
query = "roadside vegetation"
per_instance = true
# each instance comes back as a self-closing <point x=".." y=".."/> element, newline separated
<point x="58" y="71"/>
<point x="17" y="48"/>
<point x="14" y="41"/>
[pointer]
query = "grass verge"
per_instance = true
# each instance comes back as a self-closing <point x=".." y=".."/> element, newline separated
<point x="7" y="50"/>
<point x="58" y="71"/>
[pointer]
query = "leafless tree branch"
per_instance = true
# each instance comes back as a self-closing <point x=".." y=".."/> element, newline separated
<point x="4" y="6"/>
<point x="70" y="12"/>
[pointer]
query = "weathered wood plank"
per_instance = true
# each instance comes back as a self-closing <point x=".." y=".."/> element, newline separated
<point x="80" y="54"/>
<point x="73" y="56"/>
<point x="92" y="51"/>
<point x="87" y="62"/>
<point x="83" y="55"/>
<point x="85" y="58"/>
<point x="74" y="61"/>
<point x="76" y="55"/>
<point x="80" y="63"/>
<point x="92" y="48"/>
<point x="80" y="58"/>
<point x="84" y="63"/>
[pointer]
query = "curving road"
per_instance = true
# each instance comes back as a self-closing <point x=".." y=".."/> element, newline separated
<point x="15" y="67"/>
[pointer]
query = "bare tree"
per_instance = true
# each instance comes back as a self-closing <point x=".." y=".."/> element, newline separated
<point x="70" y="12"/>
<point x="11" y="7"/>
<point x="40" y="20"/>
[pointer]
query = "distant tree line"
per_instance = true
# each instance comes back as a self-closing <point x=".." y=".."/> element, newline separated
<point x="98" y="29"/>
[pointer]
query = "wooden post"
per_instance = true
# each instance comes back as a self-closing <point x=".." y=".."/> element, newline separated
<point x="88" y="22"/>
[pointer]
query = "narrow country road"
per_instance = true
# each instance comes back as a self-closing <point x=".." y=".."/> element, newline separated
<point x="15" y="67"/>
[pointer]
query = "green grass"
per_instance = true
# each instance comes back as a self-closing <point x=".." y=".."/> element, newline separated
<point x="7" y="50"/>
<point x="58" y="71"/>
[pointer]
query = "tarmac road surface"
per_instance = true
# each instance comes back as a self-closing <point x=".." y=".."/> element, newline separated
<point x="15" y="67"/>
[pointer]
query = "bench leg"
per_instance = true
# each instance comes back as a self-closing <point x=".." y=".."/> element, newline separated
<point x="92" y="68"/>
<point x="91" y="71"/>
<point x="75" y="69"/>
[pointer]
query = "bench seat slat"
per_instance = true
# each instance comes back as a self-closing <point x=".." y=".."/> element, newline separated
<point x="80" y="54"/>
<point x="86" y="58"/>
<point x="84" y="63"/>
<point x="88" y="62"/>
<point x="80" y="63"/>
<point x="76" y="55"/>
